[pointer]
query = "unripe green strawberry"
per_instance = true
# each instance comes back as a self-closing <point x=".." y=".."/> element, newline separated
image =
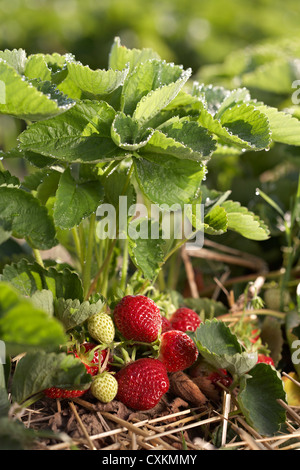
<point x="101" y="328"/>
<point x="104" y="387"/>
<point x="272" y="298"/>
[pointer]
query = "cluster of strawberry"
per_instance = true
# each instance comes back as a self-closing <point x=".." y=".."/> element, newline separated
<point x="140" y="381"/>
<point x="137" y="322"/>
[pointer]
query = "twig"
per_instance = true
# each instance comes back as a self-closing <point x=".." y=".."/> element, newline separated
<point x="290" y="411"/>
<point x="89" y="441"/>
<point x="183" y="428"/>
<point x="230" y="300"/>
<point x="226" y="409"/>
<point x="225" y="258"/>
<point x="190" y="273"/>
<point x="218" y="288"/>
<point x="254" y="433"/>
<point x="135" y="429"/>
<point x="291" y="378"/>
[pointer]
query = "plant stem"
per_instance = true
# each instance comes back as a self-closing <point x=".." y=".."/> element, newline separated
<point x="38" y="257"/>
<point x="272" y="313"/>
<point x="82" y="243"/>
<point x="104" y="269"/>
<point x="173" y="271"/>
<point x="124" y="266"/>
<point x="161" y="280"/>
<point x="105" y="262"/>
<point x="89" y="254"/>
<point x="77" y="246"/>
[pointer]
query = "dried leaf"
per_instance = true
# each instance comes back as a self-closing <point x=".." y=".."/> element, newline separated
<point x="181" y="385"/>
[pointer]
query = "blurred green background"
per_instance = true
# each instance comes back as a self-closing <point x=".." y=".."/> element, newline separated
<point x="193" y="33"/>
<point x="252" y="43"/>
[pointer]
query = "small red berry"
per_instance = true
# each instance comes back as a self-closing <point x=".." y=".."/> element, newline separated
<point x="185" y="319"/>
<point x="265" y="359"/>
<point x="142" y="383"/>
<point x="166" y="325"/>
<point x="255" y="338"/>
<point x="220" y="376"/>
<point x="91" y="364"/>
<point x="138" y="318"/>
<point x="177" y="350"/>
<point x="55" y="392"/>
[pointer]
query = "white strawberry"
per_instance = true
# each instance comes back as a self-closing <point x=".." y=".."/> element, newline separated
<point x="104" y="387"/>
<point x="101" y="327"/>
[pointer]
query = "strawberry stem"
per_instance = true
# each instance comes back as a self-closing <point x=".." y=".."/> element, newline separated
<point x="125" y="355"/>
<point x="103" y="367"/>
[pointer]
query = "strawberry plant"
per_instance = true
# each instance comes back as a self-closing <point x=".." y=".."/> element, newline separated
<point x="103" y="148"/>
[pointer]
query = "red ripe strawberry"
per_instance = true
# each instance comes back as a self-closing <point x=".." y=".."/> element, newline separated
<point x="166" y="325"/>
<point x="142" y="383"/>
<point x="138" y="318"/>
<point x="91" y="363"/>
<point x="177" y="350"/>
<point x="185" y="319"/>
<point x="265" y="359"/>
<point x="255" y="337"/>
<point x="55" y="392"/>
<point x="220" y="376"/>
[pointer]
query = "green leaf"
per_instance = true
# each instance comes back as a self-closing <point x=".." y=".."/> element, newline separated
<point x="120" y="56"/>
<point x="28" y="278"/>
<point x="26" y="218"/>
<point x="6" y="179"/>
<point x="15" y="436"/>
<point x="40" y="370"/>
<point x="241" y="125"/>
<point x="220" y="347"/>
<point x="43" y="299"/>
<point x="284" y="127"/>
<point x="72" y="313"/>
<point x="115" y="185"/>
<point x="32" y="180"/>
<point x="245" y="222"/>
<point x="4" y="401"/>
<point x="44" y="182"/>
<point x="146" y="252"/>
<point x="214" y="222"/>
<point x="208" y="307"/>
<point x="182" y="139"/>
<point x="151" y="104"/>
<point x="32" y="101"/>
<point x="258" y="397"/>
<point x="36" y="159"/>
<point x="166" y="180"/>
<point x="126" y="133"/>
<point x="273" y="77"/>
<point x="75" y="201"/>
<point x="96" y="82"/>
<point x="217" y="99"/>
<point x="82" y="134"/>
<point x="150" y="87"/>
<point x="23" y="326"/>
<point x="16" y="58"/>
<point x="37" y="67"/>
<point x="215" y="337"/>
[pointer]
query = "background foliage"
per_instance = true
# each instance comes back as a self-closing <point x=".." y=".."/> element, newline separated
<point x="254" y="43"/>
